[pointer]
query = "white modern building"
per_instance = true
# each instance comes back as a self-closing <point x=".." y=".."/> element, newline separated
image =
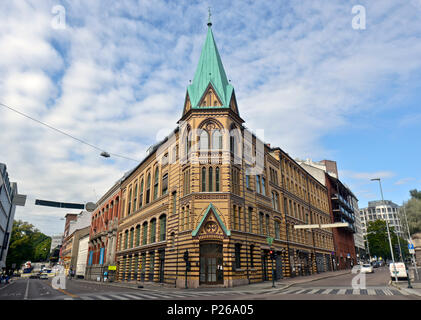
<point x="56" y="241"/>
<point x="9" y="199"/>
<point x="387" y="211"/>
<point x="82" y="255"/>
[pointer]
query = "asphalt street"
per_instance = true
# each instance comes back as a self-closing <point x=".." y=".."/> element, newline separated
<point x="338" y="287"/>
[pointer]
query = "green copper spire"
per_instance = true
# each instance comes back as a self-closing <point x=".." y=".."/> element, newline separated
<point x="210" y="71"/>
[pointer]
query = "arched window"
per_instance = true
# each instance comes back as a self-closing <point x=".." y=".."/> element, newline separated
<point x="277" y="230"/>
<point x="152" y="236"/>
<point x="203" y="179"/>
<point x="155" y="190"/>
<point x="204" y="141"/>
<point x="135" y="198"/>
<point x="267" y="224"/>
<point x="126" y="239"/>
<point x="261" y="222"/>
<point x="186" y="222"/>
<point x="210" y="179"/>
<point x="162" y="227"/>
<point x="141" y="194"/>
<point x="216" y="140"/>
<point x="137" y="235"/>
<point x="131" y="237"/>
<point x="129" y="206"/>
<point x="145" y="233"/>
<point x="217" y="179"/>
<point x="148" y="188"/>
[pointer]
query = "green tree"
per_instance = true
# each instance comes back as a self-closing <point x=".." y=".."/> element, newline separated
<point x="379" y="242"/>
<point x="413" y="212"/>
<point x="27" y="243"/>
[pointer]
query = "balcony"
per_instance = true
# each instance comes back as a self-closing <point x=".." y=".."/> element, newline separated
<point x="347" y="205"/>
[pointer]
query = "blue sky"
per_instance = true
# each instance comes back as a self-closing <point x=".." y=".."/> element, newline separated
<point x="116" y="76"/>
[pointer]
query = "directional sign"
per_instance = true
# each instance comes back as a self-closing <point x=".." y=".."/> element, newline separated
<point x="410" y="246"/>
<point x="269" y="240"/>
<point x="112" y="268"/>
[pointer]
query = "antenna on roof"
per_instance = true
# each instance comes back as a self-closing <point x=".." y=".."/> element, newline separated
<point x="209" y="20"/>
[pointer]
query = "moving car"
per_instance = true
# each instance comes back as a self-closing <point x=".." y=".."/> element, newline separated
<point x="400" y="269"/>
<point x="43" y="276"/>
<point x="367" y="268"/>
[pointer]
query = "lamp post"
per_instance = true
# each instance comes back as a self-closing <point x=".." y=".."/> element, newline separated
<point x="410" y="240"/>
<point x="388" y="233"/>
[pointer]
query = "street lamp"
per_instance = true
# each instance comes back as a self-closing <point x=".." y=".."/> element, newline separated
<point x="387" y="226"/>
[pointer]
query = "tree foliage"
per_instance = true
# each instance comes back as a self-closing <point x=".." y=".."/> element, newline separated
<point x="27" y="244"/>
<point x="378" y="241"/>
<point x="413" y="211"/>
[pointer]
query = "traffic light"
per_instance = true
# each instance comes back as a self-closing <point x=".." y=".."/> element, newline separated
<point x="186" y="256"/>
<point x="272" y="254"/>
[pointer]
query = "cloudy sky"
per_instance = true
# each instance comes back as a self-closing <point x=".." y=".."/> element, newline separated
<point x="114" y="73"/>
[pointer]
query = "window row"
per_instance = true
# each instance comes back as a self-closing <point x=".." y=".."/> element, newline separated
<point x="143" y="234"/>
<point x="210" y="179"/>
<point x="136" y="196"/>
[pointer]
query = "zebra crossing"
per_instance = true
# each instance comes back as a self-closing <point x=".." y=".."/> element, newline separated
<point x="182" y="295"/>
<point x="381" y="291"/>
<point x="152" y="295"/>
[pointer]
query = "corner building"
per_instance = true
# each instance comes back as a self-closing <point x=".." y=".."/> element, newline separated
<point x="215" y="190"/>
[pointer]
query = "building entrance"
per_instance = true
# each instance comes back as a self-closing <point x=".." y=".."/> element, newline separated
<point x="211" y="270"/>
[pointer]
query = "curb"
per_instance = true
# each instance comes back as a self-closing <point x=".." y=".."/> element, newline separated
<point x="409" y="291"/>
<point x="153" y="288"/>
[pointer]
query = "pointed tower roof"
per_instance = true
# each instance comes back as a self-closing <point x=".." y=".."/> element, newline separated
<point x="210" y="71"/>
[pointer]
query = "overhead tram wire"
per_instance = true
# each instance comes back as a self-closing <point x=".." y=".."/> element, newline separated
<point x="66" y="134"/>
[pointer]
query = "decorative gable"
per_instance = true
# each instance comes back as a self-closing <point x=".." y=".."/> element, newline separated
<point x="211" y="225"/>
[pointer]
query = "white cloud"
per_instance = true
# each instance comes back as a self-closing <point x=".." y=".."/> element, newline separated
<point x="404" y="181"/>
<point x="118" y="74"/>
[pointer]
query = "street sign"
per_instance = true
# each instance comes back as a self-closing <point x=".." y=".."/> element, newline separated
<point x="412" y="251"/>
<point x="269" y="240"/>
<point x="112" y="268"/>
<point x="410" y="246"/>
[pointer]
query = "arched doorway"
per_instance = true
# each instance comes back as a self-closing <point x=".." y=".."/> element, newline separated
<point x="211" y="262"/>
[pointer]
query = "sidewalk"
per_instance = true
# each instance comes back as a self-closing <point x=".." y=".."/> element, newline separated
<point x="415" y="283"/>
<point x="267" y="285"/>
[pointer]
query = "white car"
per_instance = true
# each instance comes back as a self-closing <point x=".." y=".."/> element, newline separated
<point x="366" y="268"/>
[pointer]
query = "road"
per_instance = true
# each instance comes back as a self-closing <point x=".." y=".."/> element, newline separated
<point x="333" y="288"/>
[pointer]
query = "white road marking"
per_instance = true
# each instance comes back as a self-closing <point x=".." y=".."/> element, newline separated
<point x="27" y="290"/>
<point x="341" y="291"/>
<point x="356" y="291"/>
<point x="327" y="291"/>
<point x="371" y="292"/>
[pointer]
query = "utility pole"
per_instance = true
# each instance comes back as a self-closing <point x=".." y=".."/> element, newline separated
<point x="410" y="239"/>
<point x="388" y="232"/>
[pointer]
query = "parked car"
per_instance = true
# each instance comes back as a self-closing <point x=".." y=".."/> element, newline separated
<point x="367" y="268"/>
<point x="381" y="263"/>
<point x="375" y="264"/>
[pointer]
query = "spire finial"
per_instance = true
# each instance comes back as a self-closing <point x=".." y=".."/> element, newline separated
<point x="209" y="17"/>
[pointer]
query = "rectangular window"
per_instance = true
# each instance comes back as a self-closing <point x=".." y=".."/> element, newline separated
<point x="263" y="186"/>
<point x="247" y="181"/>
<point x="165" y="184"/>
<point x="101" y="256"/>
<point x="261" y="223"/>
<point x="251" y="256"/>
<point x="267" y="225"/>
<point x="174" y="202"/>
<point x="250" y="219"/>
<point x="238" y="256"/>
<point x="258" y="184"/>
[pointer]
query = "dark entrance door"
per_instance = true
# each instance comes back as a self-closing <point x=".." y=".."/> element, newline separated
<point x="161" y="265"/>
<point x="211" y="263"/>
<point x="264" y="266"/>
<point x="278" y="267"/>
